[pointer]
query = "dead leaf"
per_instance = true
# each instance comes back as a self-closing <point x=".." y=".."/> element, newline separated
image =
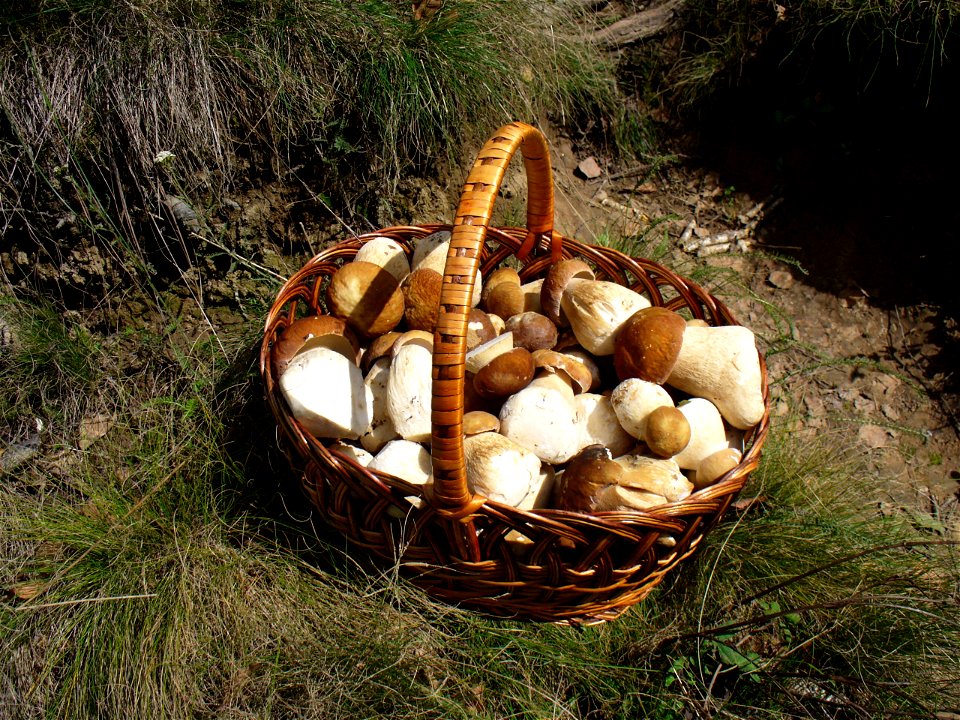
<point x="27" y="590"/>
<point x="93" y="428"/>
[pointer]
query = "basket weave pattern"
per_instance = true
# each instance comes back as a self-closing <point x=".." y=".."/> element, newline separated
<point x="577" y="567"/>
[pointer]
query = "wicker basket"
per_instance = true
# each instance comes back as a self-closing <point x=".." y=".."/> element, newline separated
<point x="579" y="568"/>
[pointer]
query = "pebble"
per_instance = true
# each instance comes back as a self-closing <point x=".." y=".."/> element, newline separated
<point x="589" y="168"/>
<point x="873" y="436"/>
<point x="781" y="279"/>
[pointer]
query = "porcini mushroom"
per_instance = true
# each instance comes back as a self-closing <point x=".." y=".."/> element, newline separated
<point x="707" y="434"/>
<point x="367" y="297"/>
<point x="656" y="475"/>
<point x="543" y="419"/>
<point x="409" y="391"/>
<point x="505" y="374"/>
<point x="714" y="466"/>
<point x="326" y="394"/>
<point x="404" y="459"/>
<point x="381" y="429"/>
<point x="597" y="309"/>
<point x="667" y="431"/>
<point x="648" y="345"/>
<point x="555" y="282"/>
<point x="633" y="400"/>
<point x="722" y="365"/>
<point x="325" y="329"/>
<point x="421" y="298"/>
<point x="532" y="331"/>
<point x="578" y="487"/>
<point x="431" y="252"/>
<point x="599" y="424"/>
<point x="387" y="253"/>
<point x="499" y="469"/>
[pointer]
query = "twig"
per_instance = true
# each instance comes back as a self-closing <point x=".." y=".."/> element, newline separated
<point x="79" y="601"/>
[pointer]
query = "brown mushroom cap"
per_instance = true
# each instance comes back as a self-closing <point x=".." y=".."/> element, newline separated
<point x="667" y="431"/>
<point x="532" y="331"/>
<point x="478" y="421"/>
<point x="479" y="328"/>
<point x="648" y="345"/>
<point x="367" y="297"/>
<point x="380" y="347"/>
<point x="551" y="361"/>
<point x="505" y="374"/>
<point x="587" y="473"/>
<point x="300" y="331"/>
<point x="504" y="299"/>
<point x="421" y="298"/>
<point x="502" y="274"/>
<point x="554" y="283"/>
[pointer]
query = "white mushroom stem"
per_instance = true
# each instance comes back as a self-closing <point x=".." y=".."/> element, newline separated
<point x="499" y="469"/>
<point x="531" y="296"/>
<point x="543" y="419"/>
<point x="431" y="252"/>
<point x="381" y="429"/>
<point x="409" y="391"/>
<point x="597" y="309"/>
<point x="326" y="394"/>
<point x="541" y="490"/>
<point x="353" y="452"/>
<point x="707" y="434"/>
<point x="633" y="400"/>
<point x="406" y="460"/>
<point x="722" y="365"/>
<point x="599" y="424"/>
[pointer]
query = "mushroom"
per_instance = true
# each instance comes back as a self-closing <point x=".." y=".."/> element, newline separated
<point x="532" y="331"/>
<point x="707" y="434"/>
<point x="404" y="459"/>
<point x="480" y="329"/>
<point x="543" y="419"/>
<point x="541" y="491"/>
<point x="648" y="345"/>
<point x="367" y="297"/>
<point x="579" y="375"/>
<point x="431" y="252"/>
<point x="505" y="374"/>
<point x="555" y="282"/>
<point x="318" y="330"/>
<point x="410" y="390"/>
<point x="499" y="469"/>
<point x="715" y="466"/>
<point x="667" y="431"/>
<point x="381" y="429"/>
<point x="589" y="472"/>
<point x="578" y="353"/>
<point x="478" y="421"/>
<point x="326" y="394"/>
<point x="482" y="354"/>
<point x="633" y="400"/>
<point x="504" y="299"/>
<point x="620" y="498"/>
<point x="387" y="253"/>
<point x="599" y="424"/>
<point x="661" y="476"/>
<point x="722" y="365"/>
<point x="421" y="299"/>
<point x="359" y="455"/>
<point x="531" y="296"/>
<point x="597" y="309"/>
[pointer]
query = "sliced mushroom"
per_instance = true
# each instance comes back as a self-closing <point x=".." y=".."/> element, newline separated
<point x="326" y="394"/>
<point x="361" y="456"/>
<point x="483" y="354"/>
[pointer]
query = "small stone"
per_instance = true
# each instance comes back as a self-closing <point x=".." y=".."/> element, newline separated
<point x="780" y="279"/>
<point x="873" y="436"/>
<point x="814" y="405"/>
<point x="589" y="168"/>
<point x="890" y="412"/>
<point x="647" y="187"/>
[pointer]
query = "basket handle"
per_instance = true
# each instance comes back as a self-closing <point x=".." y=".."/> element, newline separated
<point x="450" y="493"/>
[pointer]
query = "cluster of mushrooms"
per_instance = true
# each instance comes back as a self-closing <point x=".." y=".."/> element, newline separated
<point x="579" y="395"/>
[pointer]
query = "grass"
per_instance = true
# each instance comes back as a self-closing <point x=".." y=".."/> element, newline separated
<point x="170" y="570"/>
<point x="130" y="124"/>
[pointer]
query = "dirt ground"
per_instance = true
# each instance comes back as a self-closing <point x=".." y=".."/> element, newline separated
<point x="860" y="364"/>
